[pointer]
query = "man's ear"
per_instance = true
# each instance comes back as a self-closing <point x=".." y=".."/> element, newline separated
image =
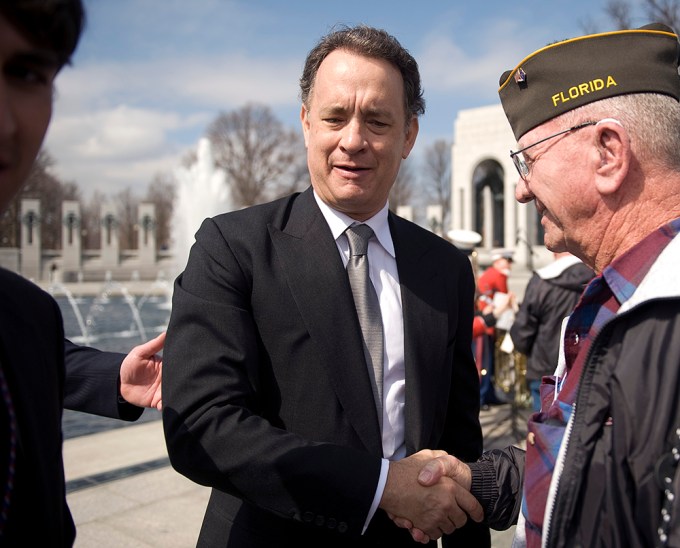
<point x="613" y="146"/>
<point x="304" y="120"/>
<point x="411" y="134"/>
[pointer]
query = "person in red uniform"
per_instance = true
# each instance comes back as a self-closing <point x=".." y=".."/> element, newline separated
<point x="492" y="281"/>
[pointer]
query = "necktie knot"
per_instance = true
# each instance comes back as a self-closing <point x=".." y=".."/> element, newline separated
<point x="358" y="237"/>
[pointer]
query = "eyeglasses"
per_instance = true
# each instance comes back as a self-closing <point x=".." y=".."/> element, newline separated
<point x="518" y="157"/>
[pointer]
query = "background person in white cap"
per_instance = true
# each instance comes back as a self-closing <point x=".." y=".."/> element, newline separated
<point x="597" y="120"/>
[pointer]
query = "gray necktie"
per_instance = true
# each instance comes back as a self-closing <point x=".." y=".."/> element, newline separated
<point x="367" y="305"/>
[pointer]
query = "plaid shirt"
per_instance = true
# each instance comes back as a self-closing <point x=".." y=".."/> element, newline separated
<point x="599" y="303"/>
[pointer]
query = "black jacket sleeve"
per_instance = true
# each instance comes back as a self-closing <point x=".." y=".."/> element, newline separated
<point x="497" y="480"/>
<point x="92" y="383"/>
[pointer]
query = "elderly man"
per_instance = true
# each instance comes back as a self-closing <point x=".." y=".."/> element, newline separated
<point x="597" y="120"/>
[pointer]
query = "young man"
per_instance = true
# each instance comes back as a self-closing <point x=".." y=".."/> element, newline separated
<point x="37" y="37"/>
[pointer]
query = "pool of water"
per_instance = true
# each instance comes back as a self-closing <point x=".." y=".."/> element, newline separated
<point x="114" y="323"/>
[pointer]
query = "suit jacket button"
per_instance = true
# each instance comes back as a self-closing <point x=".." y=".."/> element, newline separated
<point x="319" y="521"/>
<point x="342" y="527"/>
<point x="308" y="517"/>
<point x="331" y="523"/>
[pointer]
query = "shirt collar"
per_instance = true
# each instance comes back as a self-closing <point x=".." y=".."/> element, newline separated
<point x="626" y="272"/>
<point x="339" y="222"/>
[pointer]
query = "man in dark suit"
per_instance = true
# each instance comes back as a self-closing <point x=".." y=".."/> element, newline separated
<point x="36" y="372"/>
<point x="268" y="394"/>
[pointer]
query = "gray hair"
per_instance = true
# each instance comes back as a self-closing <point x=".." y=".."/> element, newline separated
<point x="652" y="120"/>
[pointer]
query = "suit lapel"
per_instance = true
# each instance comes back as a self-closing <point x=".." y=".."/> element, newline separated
<point x="423" y="295"/>
<point x="320" y="287"/>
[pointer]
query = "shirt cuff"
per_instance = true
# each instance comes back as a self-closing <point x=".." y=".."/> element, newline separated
<point x="382" y="481"/>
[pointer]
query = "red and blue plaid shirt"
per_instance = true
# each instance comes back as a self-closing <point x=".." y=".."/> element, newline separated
<point x="600" y="302"/>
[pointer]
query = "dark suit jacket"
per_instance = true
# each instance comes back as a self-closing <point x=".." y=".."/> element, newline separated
<point x="265" y="389"/>
<point x="32" y="357"/>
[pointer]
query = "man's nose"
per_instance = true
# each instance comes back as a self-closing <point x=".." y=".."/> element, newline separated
<point x="522" y="193"/>
<point x="353" y="137"/>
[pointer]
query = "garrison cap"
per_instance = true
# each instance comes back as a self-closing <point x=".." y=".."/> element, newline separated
<point x="565" y="75"/>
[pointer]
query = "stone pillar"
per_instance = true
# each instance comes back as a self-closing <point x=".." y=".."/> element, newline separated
<point x="146" y="235"/>
<point x="71" y="240"/>
<point x="110" y="245"/>
<point x="31" y="248"/>
<point x="435" y="218"/>
<point x="487" y="199"/>
<point x="406" y="212"/>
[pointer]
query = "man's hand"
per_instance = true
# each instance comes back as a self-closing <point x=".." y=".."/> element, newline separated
<point x="446" y="465"/>
<point x="141" y="372"/>
<point x="428" y="510"/>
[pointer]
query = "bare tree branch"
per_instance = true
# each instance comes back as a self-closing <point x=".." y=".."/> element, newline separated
<point x="619" y="12"/>
<point x="437" y="180"/>
<point x="261" y="158"/>
<point x="127" y="205"/>
<point x="161" y="193"/>
<point x="402" y="189"/>
<point x="664" y="11"/>
<point x="44" y="185"/>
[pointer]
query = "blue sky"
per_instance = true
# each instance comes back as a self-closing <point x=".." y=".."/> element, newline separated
<point x="150" y="75"/>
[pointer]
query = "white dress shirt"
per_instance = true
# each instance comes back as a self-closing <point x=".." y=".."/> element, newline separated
<point x="385" y="279"/>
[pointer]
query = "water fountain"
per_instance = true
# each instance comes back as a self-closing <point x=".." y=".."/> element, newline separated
<point x="202" y="192"/>
<point x="112" y="318"/>
<point x="109" y="317"/>
<point x="57" y="289"/>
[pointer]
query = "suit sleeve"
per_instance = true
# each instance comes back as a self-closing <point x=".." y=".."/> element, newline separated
<point x="216" y="430"/>
<point x="92" y="384"/>
<point x="463" y="433"/>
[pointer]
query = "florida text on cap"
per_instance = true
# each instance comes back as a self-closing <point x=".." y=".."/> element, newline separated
<point x="565" y="75"/>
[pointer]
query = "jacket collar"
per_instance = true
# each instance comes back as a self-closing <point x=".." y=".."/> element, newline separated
<point x="663" y="279"/>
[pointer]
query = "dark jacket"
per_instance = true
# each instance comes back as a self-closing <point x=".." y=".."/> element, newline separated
<point x="550" y="296"/>
<point x="92" y="383"/>
<point x="33" y="359"/>
<point x="608" y="493"/>
<point x="266" y="397"/>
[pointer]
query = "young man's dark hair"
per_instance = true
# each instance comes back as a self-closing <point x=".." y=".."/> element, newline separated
<point x="55" y="25"/>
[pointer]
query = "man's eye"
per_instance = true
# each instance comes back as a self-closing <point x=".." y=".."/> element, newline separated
<point x="28" y="75"/>
<point x="334" y="122"/>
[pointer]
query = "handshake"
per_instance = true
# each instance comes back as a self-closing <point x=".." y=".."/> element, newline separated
<point x="428" y="493"/>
